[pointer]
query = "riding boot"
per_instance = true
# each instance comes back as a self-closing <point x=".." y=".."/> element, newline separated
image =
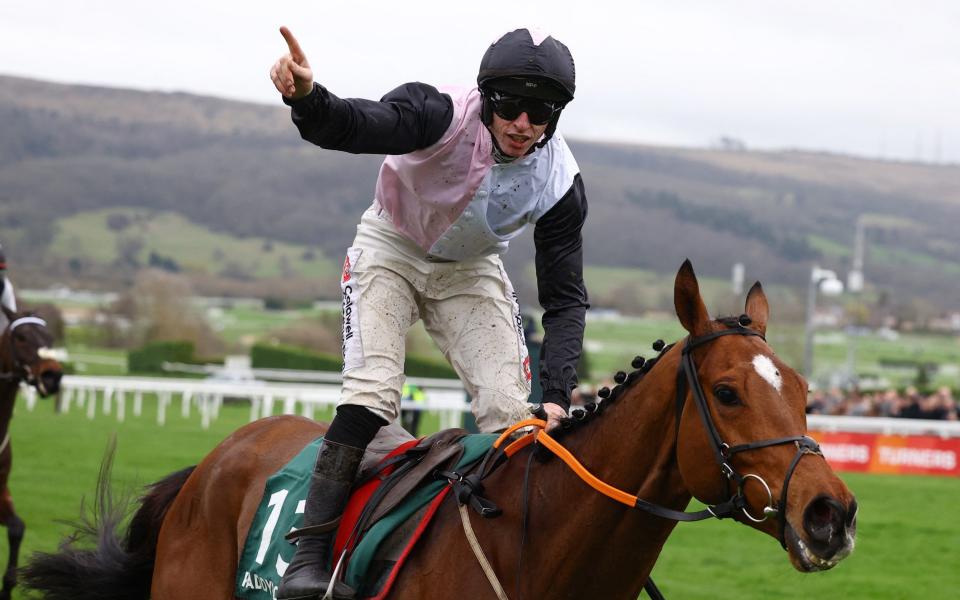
<point x="309" y="574"/>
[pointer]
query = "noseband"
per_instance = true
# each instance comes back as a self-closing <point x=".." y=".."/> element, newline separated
<point x="20" y="371"/>
<point x="723" y="452"/>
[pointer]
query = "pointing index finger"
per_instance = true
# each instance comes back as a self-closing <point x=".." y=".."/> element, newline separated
<point x="292" y="44"/>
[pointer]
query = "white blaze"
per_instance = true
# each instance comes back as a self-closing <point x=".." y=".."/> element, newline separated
<point x="766" y="369"/>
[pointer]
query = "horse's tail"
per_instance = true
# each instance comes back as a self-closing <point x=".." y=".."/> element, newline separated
<point x="119" y="565"/>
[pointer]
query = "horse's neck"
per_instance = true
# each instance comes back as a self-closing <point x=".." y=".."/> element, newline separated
<point x="632" y="447"/>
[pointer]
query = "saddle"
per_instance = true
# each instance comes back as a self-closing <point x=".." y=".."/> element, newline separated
<point x="397" y="494"/>
<point x="400" y="486"/>
<point x="401" y="468"/>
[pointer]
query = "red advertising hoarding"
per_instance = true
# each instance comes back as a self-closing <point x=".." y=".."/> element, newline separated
<point x="876" y="453"/>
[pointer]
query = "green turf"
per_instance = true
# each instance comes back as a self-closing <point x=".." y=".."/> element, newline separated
<point x="907" y="546"/>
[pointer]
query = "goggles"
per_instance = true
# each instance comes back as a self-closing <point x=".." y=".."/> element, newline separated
<point x="509" y="107"/>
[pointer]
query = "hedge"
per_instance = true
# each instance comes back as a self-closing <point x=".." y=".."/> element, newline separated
<point x="278" y="356"/>
<point x="150" y="358"/>
<point x="418" y="366"/>
<point x="270" y="356"/>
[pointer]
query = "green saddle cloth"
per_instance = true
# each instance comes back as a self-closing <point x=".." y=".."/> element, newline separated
<point x="266" y="554"/>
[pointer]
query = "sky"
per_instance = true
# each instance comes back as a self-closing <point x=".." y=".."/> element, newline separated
<point x="872" y="78"/>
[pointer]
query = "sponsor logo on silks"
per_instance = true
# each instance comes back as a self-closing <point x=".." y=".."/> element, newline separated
<point x="521" y="339"/>
<point x="252" y="581"/>
<point x="347" y="312"/>
<point x="349" y="287"/>
<point x="518" y="318"/>
<point x="346" y="269"/>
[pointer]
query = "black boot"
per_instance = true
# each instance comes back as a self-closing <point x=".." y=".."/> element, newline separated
<point x="308" y="576"/>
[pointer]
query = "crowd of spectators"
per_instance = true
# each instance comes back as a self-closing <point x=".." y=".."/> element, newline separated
<point x="909" y="404"/>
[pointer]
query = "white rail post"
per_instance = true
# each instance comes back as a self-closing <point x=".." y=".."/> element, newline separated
<point x="267" y="408"/>
<point x="66" y="399"/>
<point x="204" y="401"/>
<point x="255" y="403"/>
<point x="107" y="397"/>
<point x="31" y="397"/>
<point x="163" y="399"/>
<point x="185" y="399"/>
<point x="92" y="403"/>
<point x="121" y="396"/>
<point x="308" y="407"/>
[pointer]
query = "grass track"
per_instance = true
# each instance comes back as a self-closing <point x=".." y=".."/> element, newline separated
<point x="908" y="542"/>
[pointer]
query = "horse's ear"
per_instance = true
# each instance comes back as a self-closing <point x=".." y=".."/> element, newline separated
<point x="687" y="301"/>
<point x="11" y="316"/>
<point x="757" y="308"/>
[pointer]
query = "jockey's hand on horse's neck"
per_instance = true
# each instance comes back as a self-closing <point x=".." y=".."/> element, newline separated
<point x="554" y="414"/>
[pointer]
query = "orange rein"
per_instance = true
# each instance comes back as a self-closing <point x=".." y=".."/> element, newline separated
<point x="540" y="436"/>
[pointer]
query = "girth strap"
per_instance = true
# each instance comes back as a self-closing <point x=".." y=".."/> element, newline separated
<point x="478" y="552"/>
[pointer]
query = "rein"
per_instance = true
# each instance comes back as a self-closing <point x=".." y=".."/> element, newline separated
<point x="540" y="436"/>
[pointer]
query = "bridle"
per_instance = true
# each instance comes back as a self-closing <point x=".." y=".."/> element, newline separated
<point x="723" y="452"/>
<point x="20" y="371"/>
<point x="467" y="488"/>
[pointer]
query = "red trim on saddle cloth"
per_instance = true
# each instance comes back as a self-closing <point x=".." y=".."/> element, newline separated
<point x="421" y="527"/>
<point x="361" y="496"/>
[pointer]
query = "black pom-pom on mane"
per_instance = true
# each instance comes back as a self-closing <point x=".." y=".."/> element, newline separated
<point x="625" y="381"/>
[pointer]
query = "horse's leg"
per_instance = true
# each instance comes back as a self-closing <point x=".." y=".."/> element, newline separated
<point x="15" y="528"/>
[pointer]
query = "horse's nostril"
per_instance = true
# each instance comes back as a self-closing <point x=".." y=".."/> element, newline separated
<point x="51" y="380"/>
<point x="824" y="522"/>
<point x="851" y="517"/>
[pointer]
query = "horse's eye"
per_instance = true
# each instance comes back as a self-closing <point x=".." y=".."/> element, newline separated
<point x="19" y="337"/>
<point x="726" y="396"/>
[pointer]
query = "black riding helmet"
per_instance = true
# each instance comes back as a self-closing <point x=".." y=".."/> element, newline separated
<point x="526" y="63"/>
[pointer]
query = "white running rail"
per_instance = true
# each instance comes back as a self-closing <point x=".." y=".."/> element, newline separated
<point x="114" y="394"/>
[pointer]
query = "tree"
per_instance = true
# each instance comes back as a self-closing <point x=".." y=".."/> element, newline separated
<point x="118" y="221"/>
<point x="128" y="251"/>
<point x="159" y="309"/>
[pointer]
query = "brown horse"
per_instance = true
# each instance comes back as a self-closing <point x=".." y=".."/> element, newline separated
<point x="717" y="417"/>
<point x="23" y="358"/>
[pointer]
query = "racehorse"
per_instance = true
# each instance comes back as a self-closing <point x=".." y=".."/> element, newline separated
<point x="24" y="357"/>
<point x="716" y="416"/>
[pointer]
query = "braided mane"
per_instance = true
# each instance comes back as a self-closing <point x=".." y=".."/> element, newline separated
<point x="590" y="411"/>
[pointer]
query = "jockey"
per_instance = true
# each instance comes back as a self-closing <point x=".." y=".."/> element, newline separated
<point x="466" y="171"/>
<point x="7" y="299"/>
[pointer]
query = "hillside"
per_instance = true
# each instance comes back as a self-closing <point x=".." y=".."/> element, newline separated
<point x="70" y="155"/>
